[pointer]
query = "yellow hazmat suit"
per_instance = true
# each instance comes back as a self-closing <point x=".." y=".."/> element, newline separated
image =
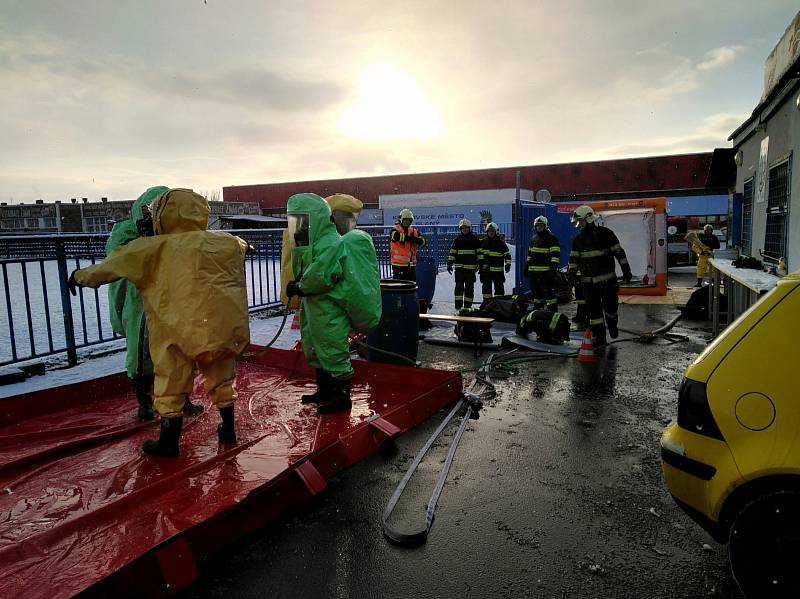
<point x="702" y="251"/>
<point x="193" y="288"/>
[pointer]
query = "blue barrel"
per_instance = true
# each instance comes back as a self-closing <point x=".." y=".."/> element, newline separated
<point x="398" y="330"/>
<point x="426" y="278"/>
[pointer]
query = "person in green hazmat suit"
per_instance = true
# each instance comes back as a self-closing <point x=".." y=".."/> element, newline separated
<point x="126" y="310"/>
<point x="338" y="281"/>
<point x="192" y="284"/>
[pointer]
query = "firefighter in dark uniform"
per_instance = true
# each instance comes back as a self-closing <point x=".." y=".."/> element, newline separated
<point x="464" y="258"/>
<point x="494" y="260"/>
<point x="593" y="253"/>
<point x="403" y="243"/>
<point x="543" y="257"/>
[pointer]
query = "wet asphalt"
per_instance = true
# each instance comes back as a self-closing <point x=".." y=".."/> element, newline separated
<point x="556" y="491"/>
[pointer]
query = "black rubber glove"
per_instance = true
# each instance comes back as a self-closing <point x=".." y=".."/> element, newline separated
<point x="293" y="288"/>
<point x="72" y="284"/>
<point x="450" y="268"/>
<point x="627" y="276"/>
<point x="508" y="267"/>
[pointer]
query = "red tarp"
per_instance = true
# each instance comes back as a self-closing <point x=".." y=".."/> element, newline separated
<point x="80" y="505"/>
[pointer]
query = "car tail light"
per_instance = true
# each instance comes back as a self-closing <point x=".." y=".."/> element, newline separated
<point x="693" y="411"/>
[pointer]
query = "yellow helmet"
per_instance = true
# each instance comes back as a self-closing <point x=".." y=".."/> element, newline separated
<point x="585" y="212"/>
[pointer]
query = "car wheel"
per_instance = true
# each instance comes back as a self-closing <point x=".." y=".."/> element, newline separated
<point x="764" y="546"/>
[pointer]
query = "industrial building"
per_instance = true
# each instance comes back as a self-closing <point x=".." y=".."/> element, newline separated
<point x="767" y="185"/>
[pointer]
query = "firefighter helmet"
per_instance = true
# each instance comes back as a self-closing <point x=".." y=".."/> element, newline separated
<point x="540" y="219"/>
<point x="585" y="212"/>
<point x="708" y="229"/>
<point x="464" y="223"/>
<point x="492" y="226"/>
<point x="406" y="213"/>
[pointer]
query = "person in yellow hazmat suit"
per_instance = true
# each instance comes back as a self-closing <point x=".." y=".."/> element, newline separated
<point x="192" y="284"/>
<point x="337" y="278"/>
<point x="703" y="246"/>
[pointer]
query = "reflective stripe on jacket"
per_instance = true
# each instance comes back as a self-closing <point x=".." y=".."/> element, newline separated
<point x="544" y="253"/>
<point x="593" y="252"/>
<point x="403" y="245"/>
<point x="494" y="254"/>
<point x="464" y="252"/>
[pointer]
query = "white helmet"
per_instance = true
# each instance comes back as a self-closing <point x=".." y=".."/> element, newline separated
<point x="464" y="223"/>
<point x="492" y="226"/>
<point x="406" y="213"/>
<point x="540" y="219"/>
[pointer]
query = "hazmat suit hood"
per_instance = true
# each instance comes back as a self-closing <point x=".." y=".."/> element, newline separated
<point x="345" y="210"/>
<point x="322" y="235"/>
<point x="180" y="211"/>
<point x="125" y="307"/>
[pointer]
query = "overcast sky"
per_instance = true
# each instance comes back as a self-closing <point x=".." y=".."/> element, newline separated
<point x="107" y="98"/>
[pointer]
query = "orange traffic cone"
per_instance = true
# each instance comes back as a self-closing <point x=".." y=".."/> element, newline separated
<point x="296" y="320"/>
<point x="586" y="353"/>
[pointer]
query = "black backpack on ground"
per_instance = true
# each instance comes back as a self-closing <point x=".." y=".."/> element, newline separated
<point x="696" y="307"/>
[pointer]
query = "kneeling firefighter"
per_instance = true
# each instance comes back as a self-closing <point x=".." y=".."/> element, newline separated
<point x="550" y="327"/>
<point x="197" y="316"/>
<point x="338" y="281"/>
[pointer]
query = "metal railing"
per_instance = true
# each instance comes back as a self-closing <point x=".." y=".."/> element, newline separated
<point x="40" y="318"/>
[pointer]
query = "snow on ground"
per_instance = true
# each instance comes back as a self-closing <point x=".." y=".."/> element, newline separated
<point x="106" y="359"/>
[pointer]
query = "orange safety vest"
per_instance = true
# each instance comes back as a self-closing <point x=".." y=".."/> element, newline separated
<point x="404" y="253"/>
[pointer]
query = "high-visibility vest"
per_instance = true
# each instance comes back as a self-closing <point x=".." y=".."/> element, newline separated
<point x="403" y="252"/>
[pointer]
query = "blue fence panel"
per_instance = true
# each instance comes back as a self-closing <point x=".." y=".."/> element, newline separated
<point x="559" y="223"/>
<point x="38" y="316"/>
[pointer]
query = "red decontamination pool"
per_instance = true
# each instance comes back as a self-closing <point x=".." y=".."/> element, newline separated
<point x="81" y="507"/>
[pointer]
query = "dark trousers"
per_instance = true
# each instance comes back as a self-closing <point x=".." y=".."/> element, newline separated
<point x="465" y="288"/>
<point x="602" y="304"/>
<point x="406" y="273"/>
<point x="543" y="290"/>
<point x="580" y="301"/>
<point x="492" y="279"/>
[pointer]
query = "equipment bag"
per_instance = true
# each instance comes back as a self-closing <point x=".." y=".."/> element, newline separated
<point x="470" y="332"/>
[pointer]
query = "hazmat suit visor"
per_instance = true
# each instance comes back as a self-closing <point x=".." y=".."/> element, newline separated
<point x="298" y="225"/>
<point x="344" y="221"/>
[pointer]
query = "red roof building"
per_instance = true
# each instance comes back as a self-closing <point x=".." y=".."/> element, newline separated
<point x="680" y="174"/>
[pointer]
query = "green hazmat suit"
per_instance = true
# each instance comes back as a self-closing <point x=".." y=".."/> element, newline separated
<point x="340" y="282"/>
<point x="125" y="307"/>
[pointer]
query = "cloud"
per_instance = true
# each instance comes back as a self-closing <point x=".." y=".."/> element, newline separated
<point x="711" y="133"/>
<point x="719" y="57"/>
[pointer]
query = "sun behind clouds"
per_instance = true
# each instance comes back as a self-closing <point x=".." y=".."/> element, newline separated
<point x="390" y="105"/>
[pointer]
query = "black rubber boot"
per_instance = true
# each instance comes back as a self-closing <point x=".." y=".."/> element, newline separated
<point x="226" y="431"/>
<point x="192" y="409"/>
<point x="143" y="386"/>
<point x="340" y="397"/>
<point x="699" y="282"/>
<point x="323" y="392"/>
<point x="613" y="330"/>
<point x="167" y="444"/>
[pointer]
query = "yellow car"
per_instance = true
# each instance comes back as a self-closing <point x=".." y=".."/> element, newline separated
<point x="732" y="460"/>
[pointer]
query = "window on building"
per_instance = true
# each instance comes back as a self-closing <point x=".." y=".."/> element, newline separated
<point x="777" y="211"/>
<point x="747" y="217"/>
<point x="32" y="223"/>
<point x="50" y="222"/>
<point x="96" y="224"/>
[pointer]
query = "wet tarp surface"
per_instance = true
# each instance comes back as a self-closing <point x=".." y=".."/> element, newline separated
<point x="79" y="502"/>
